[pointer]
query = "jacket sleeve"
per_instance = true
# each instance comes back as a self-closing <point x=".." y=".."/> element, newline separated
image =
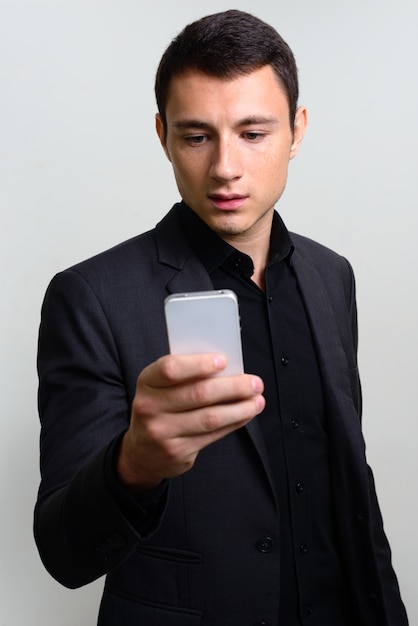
<point x="81" y="529"/>
<point x="390" y="594"/>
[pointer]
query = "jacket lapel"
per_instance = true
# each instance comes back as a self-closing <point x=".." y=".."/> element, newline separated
<point x="332" y="357"/>
<point x="182" y="269"/>
<point x="321" y="315"/>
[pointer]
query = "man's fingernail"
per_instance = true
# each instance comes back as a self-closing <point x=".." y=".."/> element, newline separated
<point x="257" y="384"/>
<point x="220" y="362"/>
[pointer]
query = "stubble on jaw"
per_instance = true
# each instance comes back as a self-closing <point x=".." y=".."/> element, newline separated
<point x="255" y="235"/>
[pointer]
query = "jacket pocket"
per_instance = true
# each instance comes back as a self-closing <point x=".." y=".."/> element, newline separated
<point x="160" y="577"/>
<point x="170" y="554"/>
<point x="117" y="609"/>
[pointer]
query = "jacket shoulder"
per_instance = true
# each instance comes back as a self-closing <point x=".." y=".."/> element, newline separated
<point x="139" y="256"/>
<point x="329" y="264"/>
<point x="316" y="251"/>
<point x="127" y="253"/>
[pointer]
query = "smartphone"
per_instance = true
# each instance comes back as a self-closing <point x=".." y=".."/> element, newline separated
<point x="205" y="321"/>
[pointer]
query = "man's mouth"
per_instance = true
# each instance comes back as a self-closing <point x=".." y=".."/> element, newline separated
<point x="225" y="201"/>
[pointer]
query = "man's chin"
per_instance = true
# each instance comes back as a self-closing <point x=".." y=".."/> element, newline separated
<point x="228" y="227"/>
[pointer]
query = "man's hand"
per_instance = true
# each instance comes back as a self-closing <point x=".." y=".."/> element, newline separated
<point x="179" y="408"/>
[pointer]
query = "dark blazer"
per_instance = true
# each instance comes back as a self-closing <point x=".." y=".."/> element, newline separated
<point x="102" y="323"/>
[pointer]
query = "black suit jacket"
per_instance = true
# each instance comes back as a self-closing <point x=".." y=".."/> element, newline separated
<point x="102" y="323"/>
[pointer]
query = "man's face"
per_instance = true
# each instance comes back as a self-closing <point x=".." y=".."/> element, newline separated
<point x="230" y="143"/>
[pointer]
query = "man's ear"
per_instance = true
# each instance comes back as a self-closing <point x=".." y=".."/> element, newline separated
<point x="161" y="132"/>
<point x="301" y="122"/>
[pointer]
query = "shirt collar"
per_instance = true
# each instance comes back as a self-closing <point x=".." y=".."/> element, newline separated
<point x="213" y="251"/>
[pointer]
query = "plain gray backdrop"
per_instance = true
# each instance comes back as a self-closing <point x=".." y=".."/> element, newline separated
<point x="81" y="169"/>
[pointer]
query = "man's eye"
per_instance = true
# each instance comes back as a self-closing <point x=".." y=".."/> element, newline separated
<point x="196" y="139"/>
<point x="253" y="136"/>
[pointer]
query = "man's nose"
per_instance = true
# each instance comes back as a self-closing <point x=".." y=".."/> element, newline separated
<point x="226" y="162"/>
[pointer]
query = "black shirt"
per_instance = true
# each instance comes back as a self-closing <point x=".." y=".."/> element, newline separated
<point x="278" y="346"/>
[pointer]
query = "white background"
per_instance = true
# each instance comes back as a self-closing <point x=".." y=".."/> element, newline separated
<point x="81" y="169"/>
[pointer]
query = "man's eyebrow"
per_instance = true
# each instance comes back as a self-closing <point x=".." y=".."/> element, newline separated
<point x="192" y="123"/>
<point x="246" y="121"/>
<point x="257" y="119"/>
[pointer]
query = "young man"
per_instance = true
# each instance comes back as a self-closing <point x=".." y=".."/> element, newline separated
<point x="214" y="500"/>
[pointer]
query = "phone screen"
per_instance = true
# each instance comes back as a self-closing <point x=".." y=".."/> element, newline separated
<point x="205" y="321"/>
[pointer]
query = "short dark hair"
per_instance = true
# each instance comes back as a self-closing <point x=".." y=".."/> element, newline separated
<point x="227" y="45"/>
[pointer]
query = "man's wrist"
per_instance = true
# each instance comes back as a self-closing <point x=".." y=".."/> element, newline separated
<point x="128" y="474"/>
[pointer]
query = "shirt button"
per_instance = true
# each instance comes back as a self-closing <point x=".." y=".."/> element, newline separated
<point x="300" y="487"/>
<point x="270" y="299"/>
<point x="303" y="548"/>
<point x="264" y="544"/>
<point x="295" y="423"/>
<point x="284" y="361"/>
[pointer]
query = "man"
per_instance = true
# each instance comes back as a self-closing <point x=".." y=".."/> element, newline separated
<point x="214" y="500"/>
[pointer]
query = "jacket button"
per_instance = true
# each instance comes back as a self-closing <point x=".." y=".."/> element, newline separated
<point x="295" y="423"/>
<point x="284" y="361"/>
<point x="300" y="487"/>
<point x="303" y="548"/>
<point x="264" y="544"/>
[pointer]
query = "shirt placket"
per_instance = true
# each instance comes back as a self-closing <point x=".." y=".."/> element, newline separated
<point x="293" y="448"/>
